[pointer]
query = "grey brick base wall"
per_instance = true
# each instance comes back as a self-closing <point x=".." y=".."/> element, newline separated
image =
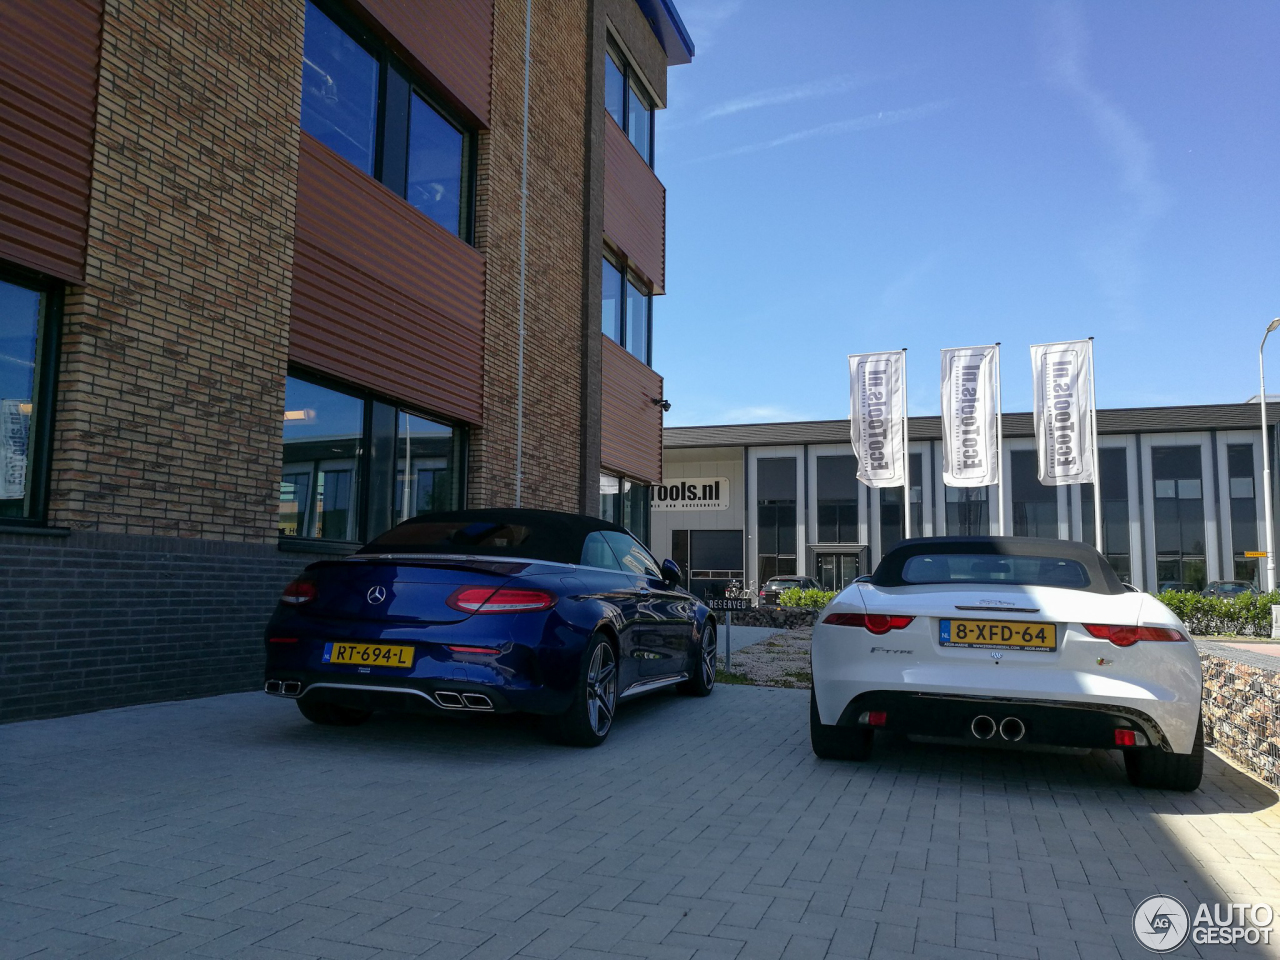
<point x="90" y="621"/>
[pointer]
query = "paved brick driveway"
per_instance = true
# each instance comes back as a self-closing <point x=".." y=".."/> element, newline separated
<point x="230" y="827"/>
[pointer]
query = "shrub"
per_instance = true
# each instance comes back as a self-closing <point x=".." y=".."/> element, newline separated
<point x="1245" y="615"/>
<point x="809" y="599"/>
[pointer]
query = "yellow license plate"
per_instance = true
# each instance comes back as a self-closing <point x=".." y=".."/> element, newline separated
<point x="997" y="634"/>
<point x="368" y="654"/>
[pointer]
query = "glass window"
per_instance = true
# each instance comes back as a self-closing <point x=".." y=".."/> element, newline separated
<point x="615" y="91"/>
<point x="1244" y="511"/>
<point x="610" y="498"/>
<point x="639" y="123"/>
<point x="967" y="514"/>
<point x="611" y="301"/>
<point x="1035" y="506"/>
<point x="964" y="568"/>
<point x="339" y="90"/>
<point x="776" y="516"/>
<point x="425" y="452"/>
<point x="637" y="322"/>
<point x="633" y="557"/>
<point x="435" y="166"/>
<point x="891" y="520"/>
<point x="837" y="499"/>
<point x="635" y="509"/>
<point x="596" y="552"/>
<point x="323" y="433"/>
<point x="1113" y="465"/>
<point x="1179" y="514"/>
<point x="20" y="314"/>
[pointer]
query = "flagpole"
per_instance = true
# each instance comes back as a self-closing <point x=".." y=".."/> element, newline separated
<point x="906" y="456"/>
<point x="999" y="446"/>
<point x="1097" y="459"/>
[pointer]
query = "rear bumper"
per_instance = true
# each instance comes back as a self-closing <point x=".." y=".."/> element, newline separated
<point x="1039" y="722"/>
<point x="412" y="695"/>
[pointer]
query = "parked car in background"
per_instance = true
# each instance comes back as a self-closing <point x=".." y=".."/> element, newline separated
<point x="490" y="611"/>
<point x="773" y="588"/>
<point x="1003" y="640"/>
<point x="1177" y="585"/>
<point x="1229" y="588"/>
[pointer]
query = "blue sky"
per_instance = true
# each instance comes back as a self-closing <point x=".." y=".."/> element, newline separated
<point x="876" y="174"/>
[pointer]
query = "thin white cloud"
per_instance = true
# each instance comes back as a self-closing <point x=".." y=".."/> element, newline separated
<point x="1116" y="257"/>
<point x="704" y="18"/>
<point x="870" y="121"/>
<point x="700" y="415"/>
<point x="778" y="96"/>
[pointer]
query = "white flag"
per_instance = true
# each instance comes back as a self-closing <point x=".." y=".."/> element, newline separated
<point x="877" y="405"/>
<point x="970" y="437"/>
<point x="1063" y="378"/>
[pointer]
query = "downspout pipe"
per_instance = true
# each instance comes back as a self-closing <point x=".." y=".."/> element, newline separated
<point x="524" y="212"/>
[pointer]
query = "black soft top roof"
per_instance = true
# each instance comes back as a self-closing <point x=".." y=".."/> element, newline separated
<point x="552" y="536"/>
<point x="1102" y="579"/>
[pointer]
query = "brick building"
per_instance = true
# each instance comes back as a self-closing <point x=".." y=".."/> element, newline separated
<point x="276" y="274"/>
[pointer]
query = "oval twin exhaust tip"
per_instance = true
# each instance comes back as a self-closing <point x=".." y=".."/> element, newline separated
<point x="983" y="727"/>
<point x="1012" y="729"/>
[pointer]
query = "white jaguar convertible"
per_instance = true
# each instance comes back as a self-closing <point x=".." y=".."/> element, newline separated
<point x="1008" y="640"/>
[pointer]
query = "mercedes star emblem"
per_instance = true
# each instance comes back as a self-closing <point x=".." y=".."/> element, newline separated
<point x="376" y="594"/>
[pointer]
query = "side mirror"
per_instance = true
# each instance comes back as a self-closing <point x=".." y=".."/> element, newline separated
<point x="671" y="572"/>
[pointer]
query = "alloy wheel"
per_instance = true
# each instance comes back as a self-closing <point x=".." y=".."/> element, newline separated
<point x="602" y="689"/>
<point x="708" y="657"/>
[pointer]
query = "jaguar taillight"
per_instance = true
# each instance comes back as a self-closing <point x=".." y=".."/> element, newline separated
<point x="877" y="623"/>
<point x="1123" y="636"/>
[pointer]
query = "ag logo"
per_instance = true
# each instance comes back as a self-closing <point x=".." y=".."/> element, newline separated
<point x="1161" y="924"/>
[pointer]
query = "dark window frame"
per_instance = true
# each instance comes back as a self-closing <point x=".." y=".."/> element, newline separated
<point x="630" y="275"/>
<point x="44" y="392"/>
<point x="633" y="78"/>
<point x="366" y="469"/>
<point x="397" y="85"/>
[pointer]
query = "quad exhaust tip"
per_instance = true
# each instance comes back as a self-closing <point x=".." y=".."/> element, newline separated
<point x="272" y="686"/>
<point x="983" y="727"/>
<point x="1012" y="729"/>
<point x="451" y="700"/>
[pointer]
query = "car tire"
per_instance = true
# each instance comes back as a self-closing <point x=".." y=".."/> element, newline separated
<point x="332" y="714"/>
<point x="1157" y="770"/>
<point x="702" y="669"/>
<point x="589" y="718"/>
<point x="832" y="742"/>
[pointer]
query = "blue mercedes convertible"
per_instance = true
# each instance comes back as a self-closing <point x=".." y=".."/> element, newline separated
<point x="490" y="611"/>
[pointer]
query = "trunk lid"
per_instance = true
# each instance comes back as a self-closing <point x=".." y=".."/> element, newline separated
<point x="401" y="590"/>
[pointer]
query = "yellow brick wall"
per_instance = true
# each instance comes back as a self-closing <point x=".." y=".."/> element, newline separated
<point x="171" y="386"/>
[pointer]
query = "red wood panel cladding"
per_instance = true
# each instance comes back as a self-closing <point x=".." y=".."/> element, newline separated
<point x="383" y="296"/>
<point x="635" y="207"/>
<point x="630" y="423"/>
<point x="48" y="79"/>
<point x="451" y="39"/>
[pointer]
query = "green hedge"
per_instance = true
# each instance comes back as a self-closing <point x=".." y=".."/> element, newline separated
<point x="809" y="599"/>
<point x="1247" y="615"/>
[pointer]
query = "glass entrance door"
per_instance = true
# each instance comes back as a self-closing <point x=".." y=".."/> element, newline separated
<point x="835" y="571"/>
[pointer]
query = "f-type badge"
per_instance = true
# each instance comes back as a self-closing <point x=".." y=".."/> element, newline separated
<point x="376" y="594"/>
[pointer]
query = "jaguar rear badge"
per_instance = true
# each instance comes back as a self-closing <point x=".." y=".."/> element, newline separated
<point x="376" y="594"/>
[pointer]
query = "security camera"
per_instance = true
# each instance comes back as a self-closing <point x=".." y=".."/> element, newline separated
<point x="665" y="405"/>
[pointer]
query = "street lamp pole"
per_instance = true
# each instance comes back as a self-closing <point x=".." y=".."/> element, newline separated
<point x="1266" y="462"/>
